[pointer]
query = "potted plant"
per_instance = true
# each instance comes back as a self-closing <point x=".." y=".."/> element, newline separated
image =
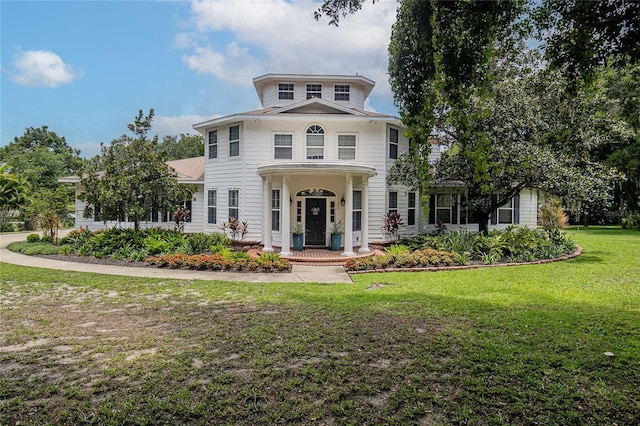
<point x="336" y="235"/>
<point x="298" y="236"/>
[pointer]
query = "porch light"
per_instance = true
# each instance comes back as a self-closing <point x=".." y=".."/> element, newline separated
<point x="342" y="201"/>
<point x="290" y="201"/>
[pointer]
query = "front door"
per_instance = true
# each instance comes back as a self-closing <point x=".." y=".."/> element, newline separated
<point x="316" y="221"/>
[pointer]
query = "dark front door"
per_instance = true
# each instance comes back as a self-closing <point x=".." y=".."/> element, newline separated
<point x="316" y="221"/>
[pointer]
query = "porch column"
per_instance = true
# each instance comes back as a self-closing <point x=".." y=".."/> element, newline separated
<point x="268" y="234"/>
<point x="364" y="221"/>
<point x="285" y="210"/>
<point x="348" y="218"/>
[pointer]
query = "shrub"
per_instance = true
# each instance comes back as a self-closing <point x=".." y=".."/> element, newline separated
<point x="397" y="249"/>
<point x="631" y="221"/>
<point x="33" y="238"/>
<point x="391" y="224"/>
<point x="551" y="216"/>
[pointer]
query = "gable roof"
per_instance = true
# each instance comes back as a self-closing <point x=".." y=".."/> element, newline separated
<point x="315" y="106"/>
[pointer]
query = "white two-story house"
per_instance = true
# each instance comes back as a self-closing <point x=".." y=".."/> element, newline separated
<point x="313" y="157"/>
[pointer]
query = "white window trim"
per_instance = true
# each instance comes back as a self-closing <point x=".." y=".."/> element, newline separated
<point x="276" y="206"/>
<point x="292" y="91"/>
<point x="336" y="94"/>
<point x="306" y="146"/>
<point x="355" y="148"/>
<point x="234" y="207"/>
<point x="308" y="92"/>
<point x="389" y="208"/>
<point x="273" y="138"/>
<point x="233" y="141"/>
<point x="214" y="206"/>
<point x="396" y="143"/>
<point x="209" y="145"/>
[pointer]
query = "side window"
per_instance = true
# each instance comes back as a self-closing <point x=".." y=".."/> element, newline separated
<point x="393" y="202"/>
<point x="213" y="144"/>
<point x="234" y="141"/>
<point x="233" y="204"/>
<point x="357" y="210"/>
<point x="393" y="143"/>
<point x="275" y="210"/>
<point x="212" y="206"/>
<point x="411" y="212"/>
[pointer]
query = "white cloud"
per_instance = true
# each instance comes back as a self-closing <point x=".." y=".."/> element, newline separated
<point x="163" y="125"/>
<point x="247" y="39"/>
<point x="41" y="68"/>
<point x="88" y="149"/>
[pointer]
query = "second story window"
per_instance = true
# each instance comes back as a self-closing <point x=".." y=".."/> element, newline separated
<point x="314" y="91"/>
<point x="341" y="92"/>
<point x="213" y="144"/>
<point x="346" y="147"/>
<point x="315" y="143"/>
<point x="234" y="141"/>
<point x="285" y="91"/>
<point x="283" y="147"/>
<point x="393" y="143"/>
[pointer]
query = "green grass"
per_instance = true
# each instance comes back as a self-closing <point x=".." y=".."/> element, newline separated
<point x="508" y="345"/>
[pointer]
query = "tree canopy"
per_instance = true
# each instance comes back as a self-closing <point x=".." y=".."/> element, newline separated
<point x="182" y="146"/>
<point x="130" y="178"/>
<point x="456" y="72"/>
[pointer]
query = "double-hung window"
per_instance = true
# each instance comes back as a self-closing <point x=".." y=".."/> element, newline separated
<point x="393" y="143"/>
<point x="234" y="141"/>
<point x="314" y="91"/>
<point x="285" y="91"/>
<point x="283" y="147"/>
<point x="213" y="144"/>
<point x="233" y="204"/>
<point x="275" y="210"/>
<point x="315" y="143"/>
<point x="341" y="92"/>
<point x="346" y="147"/>
<point x="443" y="208"/>
<point x="411" y="210"/>
<point x="393" y="202"/>
<point x="357" y="210"/>
<point x="212" y="206"/>
<point x="505" y="212"/>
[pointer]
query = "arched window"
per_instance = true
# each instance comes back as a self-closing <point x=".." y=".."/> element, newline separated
<point x="315" y="143"/>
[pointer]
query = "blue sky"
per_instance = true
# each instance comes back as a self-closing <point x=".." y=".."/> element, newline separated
<point x="85" y="68"/>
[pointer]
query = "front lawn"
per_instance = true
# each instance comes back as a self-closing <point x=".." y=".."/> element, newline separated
<point x="557" y="343"/>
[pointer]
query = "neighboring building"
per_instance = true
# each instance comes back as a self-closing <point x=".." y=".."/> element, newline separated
<point x="312" y="155"/>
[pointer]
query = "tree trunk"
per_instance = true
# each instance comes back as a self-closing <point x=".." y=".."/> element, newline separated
<point x="483" y="223"/>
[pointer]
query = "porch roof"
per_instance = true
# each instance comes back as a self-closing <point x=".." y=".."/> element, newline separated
<point x="316" y="168"/>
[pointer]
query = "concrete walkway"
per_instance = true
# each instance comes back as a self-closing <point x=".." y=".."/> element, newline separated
<point x="299" y="273"/>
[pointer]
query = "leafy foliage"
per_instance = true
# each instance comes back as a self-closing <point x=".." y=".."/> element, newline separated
<point x="551" y="215"/>
<point x="391" y="223"/>
<point x="13" y="194"/>
<point x="131" y="178"/>
<point x="182" y="146"/>
<point x="229" y="261"/>
<point x="236" y="229"/>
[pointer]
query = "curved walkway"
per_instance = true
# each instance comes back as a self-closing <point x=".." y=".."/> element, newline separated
<point x="299" y="273"/>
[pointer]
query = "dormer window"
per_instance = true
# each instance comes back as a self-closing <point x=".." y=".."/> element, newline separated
<point x="285" y="91"/>
<point x="341" y="92"/>
<point x="314" y="91"/>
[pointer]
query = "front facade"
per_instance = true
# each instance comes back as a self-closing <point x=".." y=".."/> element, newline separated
<point x="312" y="158"/>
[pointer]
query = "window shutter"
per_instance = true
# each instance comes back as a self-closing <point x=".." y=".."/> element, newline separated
<point x="463" y="209"/>
<point x="494" y="214"/>
<point x="432" y="209"/>
<point x="516" y="209"/>
<point x="454" y="209"/>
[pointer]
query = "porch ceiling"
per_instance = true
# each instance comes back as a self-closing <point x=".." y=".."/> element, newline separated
<point x="316" y="168"/>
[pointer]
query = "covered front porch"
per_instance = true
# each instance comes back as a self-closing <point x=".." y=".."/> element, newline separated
<point x="316" y="198"/>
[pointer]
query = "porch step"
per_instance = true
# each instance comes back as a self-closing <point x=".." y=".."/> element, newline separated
<point x="321" y="257"/>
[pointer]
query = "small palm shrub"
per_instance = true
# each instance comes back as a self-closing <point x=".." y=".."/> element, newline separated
<point x="631" y="222"/>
